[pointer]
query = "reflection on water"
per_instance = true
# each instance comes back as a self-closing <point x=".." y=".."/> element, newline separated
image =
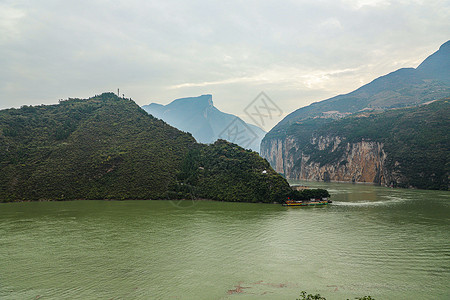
<point x="389" y="243"/>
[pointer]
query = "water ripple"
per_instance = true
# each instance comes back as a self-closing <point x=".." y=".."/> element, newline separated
<point x="375" y="241"/>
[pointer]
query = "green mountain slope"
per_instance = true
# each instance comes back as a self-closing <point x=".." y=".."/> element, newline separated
<point x="226" y="171"/>
<point x="104" y="147"/>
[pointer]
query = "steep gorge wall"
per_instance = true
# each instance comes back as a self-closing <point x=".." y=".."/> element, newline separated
<point x="363" y="161"/>
<point x="280" y="154"/>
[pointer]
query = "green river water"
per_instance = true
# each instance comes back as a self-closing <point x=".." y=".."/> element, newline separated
<point x="387" y="243"/>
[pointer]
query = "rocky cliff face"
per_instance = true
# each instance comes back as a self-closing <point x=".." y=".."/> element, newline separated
<point x="276" y="151"/>
<point x="364" y="161"/>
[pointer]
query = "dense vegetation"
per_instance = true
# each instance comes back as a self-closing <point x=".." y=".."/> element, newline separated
<point x="106" y="147"/>
<point x="304" y="296"/>
<point x="225" y="171"/>
<point x="308" y="194"/>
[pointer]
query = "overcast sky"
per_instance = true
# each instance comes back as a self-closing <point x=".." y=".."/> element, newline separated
<point x="298" y="52"/>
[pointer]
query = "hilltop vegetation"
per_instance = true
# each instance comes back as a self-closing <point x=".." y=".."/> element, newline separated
<point x="107" y="147"/>
<point x="226" y="171"/>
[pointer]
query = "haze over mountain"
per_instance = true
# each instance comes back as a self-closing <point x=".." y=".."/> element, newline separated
<point x="299" y="144"/>
<point x="401" y="88"/>
<point x="206" y="123"/>
<point x="437" y="65"/>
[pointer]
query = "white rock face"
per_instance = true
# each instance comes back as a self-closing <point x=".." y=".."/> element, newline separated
<point x="364" y="161"/>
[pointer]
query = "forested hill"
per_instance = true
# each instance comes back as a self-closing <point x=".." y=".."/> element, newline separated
<point x="107" y="147"/>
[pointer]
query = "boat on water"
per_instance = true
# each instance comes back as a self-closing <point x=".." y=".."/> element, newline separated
<point x="311" y="202"/>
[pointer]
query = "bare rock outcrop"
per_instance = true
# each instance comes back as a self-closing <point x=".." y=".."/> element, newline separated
<point x="363" y="161"/>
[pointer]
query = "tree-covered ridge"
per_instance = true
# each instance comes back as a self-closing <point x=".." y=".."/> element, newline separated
<point x="104" y="147"/>
<point x="308" y="194"/>
<point x="225" y="171"/>
<point x="416" y="141"/>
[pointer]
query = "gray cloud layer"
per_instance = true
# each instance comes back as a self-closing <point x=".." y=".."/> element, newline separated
<point x="296" y="51"/>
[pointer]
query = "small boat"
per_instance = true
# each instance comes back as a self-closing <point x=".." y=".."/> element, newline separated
<point x="311" y="202"/>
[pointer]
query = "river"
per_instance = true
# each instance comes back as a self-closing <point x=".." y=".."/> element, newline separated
<point x="387" y="243"/>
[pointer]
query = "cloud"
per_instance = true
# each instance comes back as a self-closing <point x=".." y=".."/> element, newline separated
<point x="288" y="77"/>
<point x="298" y="52"/>
<point x="358" y="4"/>
<point x="10" y="17"/>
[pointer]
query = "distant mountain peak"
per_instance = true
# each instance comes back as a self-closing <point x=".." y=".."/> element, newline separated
<point x="205" y="122"/>
<point x="404" y="87"/>
<point x="155" y="105"/>
<point x="445" y="45"/>
<point x="200" y="101"/>
<point x="437" y="65"/>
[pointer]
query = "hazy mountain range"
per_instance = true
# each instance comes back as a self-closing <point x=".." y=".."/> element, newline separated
<point x="402" y="88"/>
<point x="199" y="116"/>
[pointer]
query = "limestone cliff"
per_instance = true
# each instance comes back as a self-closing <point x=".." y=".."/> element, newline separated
<point x="363" y="161"/>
